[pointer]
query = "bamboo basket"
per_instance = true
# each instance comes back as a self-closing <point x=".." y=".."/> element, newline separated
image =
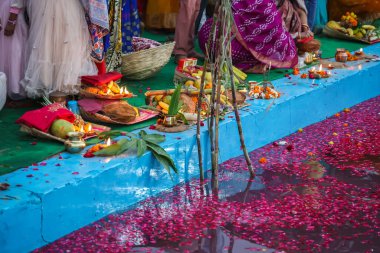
<point x="97" y="117"/>
<point x="39" y="134"/>
<point x="146" y="63"/>
<point x="339" y="35"/>
<point x="87" y="94"/>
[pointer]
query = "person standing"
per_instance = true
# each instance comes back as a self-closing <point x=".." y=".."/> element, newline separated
<point x="13" y="36"/>
<point x="185" y="29"/>
<point x="58" y="48"/>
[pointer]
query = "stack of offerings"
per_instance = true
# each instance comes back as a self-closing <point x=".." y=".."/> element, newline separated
<point x="102" y="100"/>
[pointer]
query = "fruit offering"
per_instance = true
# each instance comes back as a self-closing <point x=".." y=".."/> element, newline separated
<point x="350" y="26"/>
<point x="260" y="92"/>
<point x="111" y="89"/>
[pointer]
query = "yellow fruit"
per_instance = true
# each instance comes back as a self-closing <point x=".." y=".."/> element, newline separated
<point x="158" y="98"/>
<point x="333" y="25"/>
<point x="189" y="83"/>
<point x="350" y="32"/>
<point x="208" y="77"/>
<point x="137" y="111"/>
<point x="115" y="88"/>
<point x="164" y="106"/>
<point x="197" y="84"/>
<point x="164" y="111"/>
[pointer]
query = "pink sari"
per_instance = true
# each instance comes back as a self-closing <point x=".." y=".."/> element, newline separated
<point x="261" y="37"/>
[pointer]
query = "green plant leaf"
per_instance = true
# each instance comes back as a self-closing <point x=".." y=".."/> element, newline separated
<point x="154" y="138"/>
<point x="141" y="147"/>
<point x="174" y="102"/>
<point x="142" y="133"/>
<point x="132" y="144"/>
<point x="109" y="151"/>
<point x="160" y="151"/>
<point x="109" y="134"/>
<point x="164" y="162"/>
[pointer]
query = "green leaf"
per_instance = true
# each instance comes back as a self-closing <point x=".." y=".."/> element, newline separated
<point x="142" y="133"/>
<point x="174" y="102"/>
<point x="154" y="138"/>
<point x="141" y="147"/>
<point x="109" y="134"/>
<point x="163" y="160"/>
<point x="109" y="151"/>
<point x="183" y="118"/>
<point x="132" y="144"/>
<point x="160" y="151"/>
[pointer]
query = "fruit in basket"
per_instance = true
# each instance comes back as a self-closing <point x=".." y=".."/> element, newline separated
<point x="333" y="25"/>
<point x="60" y="128"/>
<point x="163" y="105"/>
<point x="93" y="90"/>
<point x="158" y="98"/>
<point x="189" y="83"/>
<point x="114" y="87"/>
<point x="350" y="32"/>
<point x="359" y="35"/>
<point x="167" y="99"/>
<point x="368" y="27"/>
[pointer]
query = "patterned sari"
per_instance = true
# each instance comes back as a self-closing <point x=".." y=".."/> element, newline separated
<point x="261" y="37"/>
<point x="124" y="24"/>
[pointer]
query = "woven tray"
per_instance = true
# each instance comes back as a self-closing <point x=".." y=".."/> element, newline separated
<point x="339" y="35"/>
<point x="97" y="117"/>
<point x="87" y="94"/>
<point x="146" y="63"/>
<point x="39" y="134"/>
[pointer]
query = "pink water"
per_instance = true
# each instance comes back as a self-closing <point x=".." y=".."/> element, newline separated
<point x="319" y="192"/>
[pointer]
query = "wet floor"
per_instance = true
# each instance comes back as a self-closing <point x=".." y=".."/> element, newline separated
<point x="315" y="191"/>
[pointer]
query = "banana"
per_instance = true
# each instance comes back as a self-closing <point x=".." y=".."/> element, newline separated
<point x="164" y="106"/>
<point x="368" y="27"/>
<point x="350" y="32"/>
<point x="363" y="31"/>
<point x="115" y="88"/>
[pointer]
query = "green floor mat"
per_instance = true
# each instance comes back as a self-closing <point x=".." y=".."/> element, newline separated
<point x="20" y="150"/>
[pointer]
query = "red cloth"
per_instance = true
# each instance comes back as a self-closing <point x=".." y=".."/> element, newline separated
<point x="101" y="67"/>
<point x="42" y="119"/>
<point x="99" y="80"/>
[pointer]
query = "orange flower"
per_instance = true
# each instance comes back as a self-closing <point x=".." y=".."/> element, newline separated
<point x="263" y="160"/>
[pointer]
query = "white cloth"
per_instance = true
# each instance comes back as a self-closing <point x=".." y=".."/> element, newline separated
<point x="58" y="47"/>
<point x="3" y="89"/>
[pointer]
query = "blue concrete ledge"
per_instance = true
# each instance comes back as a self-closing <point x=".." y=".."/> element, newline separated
<point x="67" y="191"/>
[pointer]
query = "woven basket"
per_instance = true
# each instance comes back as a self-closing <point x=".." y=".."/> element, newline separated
<point x="87" y="94"/>
<point x="146" y="63"/>
<point x="339" y="35"/>
<point x="39" y="134"/>
<point x="97" y="117"/>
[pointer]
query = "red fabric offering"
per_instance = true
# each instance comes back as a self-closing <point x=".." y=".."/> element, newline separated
<point x="42" y="119"/>
<point x="99" y="80"/>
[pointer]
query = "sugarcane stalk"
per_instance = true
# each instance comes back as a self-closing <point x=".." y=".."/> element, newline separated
<point x="238" y="121"/>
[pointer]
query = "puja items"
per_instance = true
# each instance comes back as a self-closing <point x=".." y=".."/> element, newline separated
<point x="259" y="91"/>
<point x="75" y="143"/>
<point x="341" y="55"/>
<point x="318" y="74"/>
<point x="104" y="87"/>
<point x="58" y="97"/>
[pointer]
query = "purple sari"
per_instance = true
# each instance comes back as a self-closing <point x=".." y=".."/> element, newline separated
<point x="260" y="36"/>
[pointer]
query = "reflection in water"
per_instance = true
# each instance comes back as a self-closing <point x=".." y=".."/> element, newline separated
<point x="318" y="193"/>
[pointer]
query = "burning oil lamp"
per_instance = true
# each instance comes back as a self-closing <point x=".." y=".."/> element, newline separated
<point x="308" y="59"/>
<point x="312" y="70"/>
<point x="330" y="66"/>
<point x="360" y="52"/>
<point x="108" y="142"/>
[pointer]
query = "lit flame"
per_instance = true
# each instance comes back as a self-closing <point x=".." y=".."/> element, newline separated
<point x="108" y="91"/>
<point x="126" y="91"/>
<point x="89" y="128"/>
<point x="81" y="129"/>
<point x="329" y="73"/>
<point x="360" y="67"/>
<point x="320" y="67"/>
<point x="108" y="142"/>
<point x="121" y="90"/>
<point x="313" y="69"/>
<point x="361" y="50"/>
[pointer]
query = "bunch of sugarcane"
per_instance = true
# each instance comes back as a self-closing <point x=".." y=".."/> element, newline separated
<point x="218" y="55"/>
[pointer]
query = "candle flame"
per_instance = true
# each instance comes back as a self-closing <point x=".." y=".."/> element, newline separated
<point x="108" y="142"/>
<point x="121" y="90"/>
<point x="360" y="67"/>
<point x="313" y="69"/>
<point x="126" y="91"/>
<point x="89" y="127"/>
<point x="361" y="50"/>
<point x="108" y="91"/>
<point x="81" y="129"/>
<point x="320" y="67"/>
